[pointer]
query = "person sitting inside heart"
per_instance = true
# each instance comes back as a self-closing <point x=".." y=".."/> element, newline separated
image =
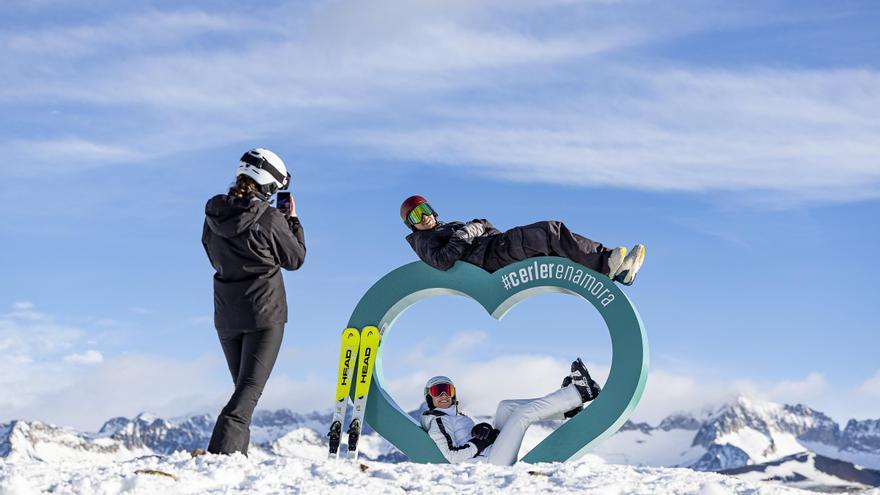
<point x="460" y="440"/>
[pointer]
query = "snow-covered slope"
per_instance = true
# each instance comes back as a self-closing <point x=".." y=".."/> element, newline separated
<point x="811" y="471"/>
<point x="264" y="474"/>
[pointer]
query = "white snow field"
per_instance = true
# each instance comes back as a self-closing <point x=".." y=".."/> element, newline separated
<point x="265" y="473"/>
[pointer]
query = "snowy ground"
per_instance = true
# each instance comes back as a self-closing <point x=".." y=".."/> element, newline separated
<point x="264" y="474"/>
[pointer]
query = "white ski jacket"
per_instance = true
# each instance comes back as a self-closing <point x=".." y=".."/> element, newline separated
<point x="452" y="433"/>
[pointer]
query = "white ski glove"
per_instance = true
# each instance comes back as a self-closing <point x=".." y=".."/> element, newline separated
<point x="470" y="231"/>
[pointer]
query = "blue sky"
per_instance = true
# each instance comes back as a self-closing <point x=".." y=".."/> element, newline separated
<point x="739" y="143"/>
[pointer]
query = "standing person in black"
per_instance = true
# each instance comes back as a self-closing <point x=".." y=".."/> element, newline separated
<point x="248" y="243"/>
<point x="441" y="244"/>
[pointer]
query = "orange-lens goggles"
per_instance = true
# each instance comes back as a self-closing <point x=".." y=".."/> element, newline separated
<point x="442" y="388"/>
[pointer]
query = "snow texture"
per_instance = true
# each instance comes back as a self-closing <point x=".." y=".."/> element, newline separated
<point x="265" y="474"/>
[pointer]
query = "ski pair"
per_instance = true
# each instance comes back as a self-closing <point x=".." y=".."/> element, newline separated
<point x="356" y="358"/>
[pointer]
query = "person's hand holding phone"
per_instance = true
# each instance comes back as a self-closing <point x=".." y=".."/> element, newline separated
<point x="291" y="210"/>
<point x="284" y="202"/>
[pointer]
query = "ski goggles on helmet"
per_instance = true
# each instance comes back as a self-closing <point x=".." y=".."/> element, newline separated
<point x="416" y="214"/>
<point x="441" y="388"/>
<point x="261" y="163"/>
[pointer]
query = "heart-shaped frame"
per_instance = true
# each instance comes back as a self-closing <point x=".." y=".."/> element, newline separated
<point x="498" y="292"/>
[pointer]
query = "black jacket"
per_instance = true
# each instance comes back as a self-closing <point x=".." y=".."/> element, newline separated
<point x="247" y="242"/>
<point x="440" y="249"/>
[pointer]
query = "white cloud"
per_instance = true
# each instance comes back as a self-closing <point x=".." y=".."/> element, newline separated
<point x="807" y="135"/>
<point x="870" y="388"/>
<point x="49" y="373"/>
<point x="128" y="385"/>
<point x="46" y="374"/>
<point x="33" y="345"/>
<point x="482" y="383"/>
<point x="468" y="84"/>
<point x="66" y="154"/>
<point x="89" y="357"/>
<point x="309" y="65"/>
<point x="24" y="311"/>
<point x="810" y="388"/>
<point x="146" y="29"/>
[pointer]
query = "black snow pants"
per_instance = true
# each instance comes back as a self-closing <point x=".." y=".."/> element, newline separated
<point x="548" y="238"/>
<point x="250" y="354"/>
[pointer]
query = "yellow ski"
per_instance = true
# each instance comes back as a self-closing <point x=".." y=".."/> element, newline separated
<point x="347" y="363"/>
<point x="366" y="358"/>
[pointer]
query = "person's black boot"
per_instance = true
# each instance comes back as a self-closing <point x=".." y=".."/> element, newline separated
<point x="581" y="379"/>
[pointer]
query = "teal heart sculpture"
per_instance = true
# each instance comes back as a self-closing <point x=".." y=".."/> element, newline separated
<point x="497" y="293"/>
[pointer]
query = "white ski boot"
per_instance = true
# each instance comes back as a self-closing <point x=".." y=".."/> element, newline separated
<point x="627" y="270"/>
<point x="615" y="261"/>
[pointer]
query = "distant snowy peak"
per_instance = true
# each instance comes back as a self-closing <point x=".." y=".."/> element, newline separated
<point x="740" y="433"/>
<point x="642" y="427"/>
<point x="680" y="421"/>
<point x="167" y="436"/>
<point x="767" y="418"/>
<point x="861" y="436"/>
<point x="40" y="441"/>
<point x="157" y="434"/>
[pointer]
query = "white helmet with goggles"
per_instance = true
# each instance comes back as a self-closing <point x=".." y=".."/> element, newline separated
<point x="266" y="169"/>
<point x="437" y="386"/>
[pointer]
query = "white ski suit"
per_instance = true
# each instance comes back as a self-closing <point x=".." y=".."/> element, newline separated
<point x="452" y="432"/>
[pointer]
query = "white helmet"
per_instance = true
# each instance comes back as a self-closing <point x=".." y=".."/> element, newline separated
<point x="265" y="168"/>
<point x="437" y="380"/>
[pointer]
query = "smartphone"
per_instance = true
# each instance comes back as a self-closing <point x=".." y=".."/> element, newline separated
<point x="282" y="202"/>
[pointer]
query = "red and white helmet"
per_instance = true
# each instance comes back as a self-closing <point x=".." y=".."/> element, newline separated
<point x="266" y="169"/>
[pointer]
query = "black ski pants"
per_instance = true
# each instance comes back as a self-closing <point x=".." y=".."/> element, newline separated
<point x="548" y="238"/>
<point x="250" y="354"/>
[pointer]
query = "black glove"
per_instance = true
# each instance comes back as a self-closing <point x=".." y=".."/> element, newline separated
<point x="493" y="436"/>
<point x="481" y="431"/>
<point x="483" y="443"/>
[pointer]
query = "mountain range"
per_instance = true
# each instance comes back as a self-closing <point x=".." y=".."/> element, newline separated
<point x="748" y="438"/>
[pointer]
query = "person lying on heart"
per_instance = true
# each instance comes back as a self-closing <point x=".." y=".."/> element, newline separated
<point x="441" y="244"/>
<point x="460" y="440"/>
